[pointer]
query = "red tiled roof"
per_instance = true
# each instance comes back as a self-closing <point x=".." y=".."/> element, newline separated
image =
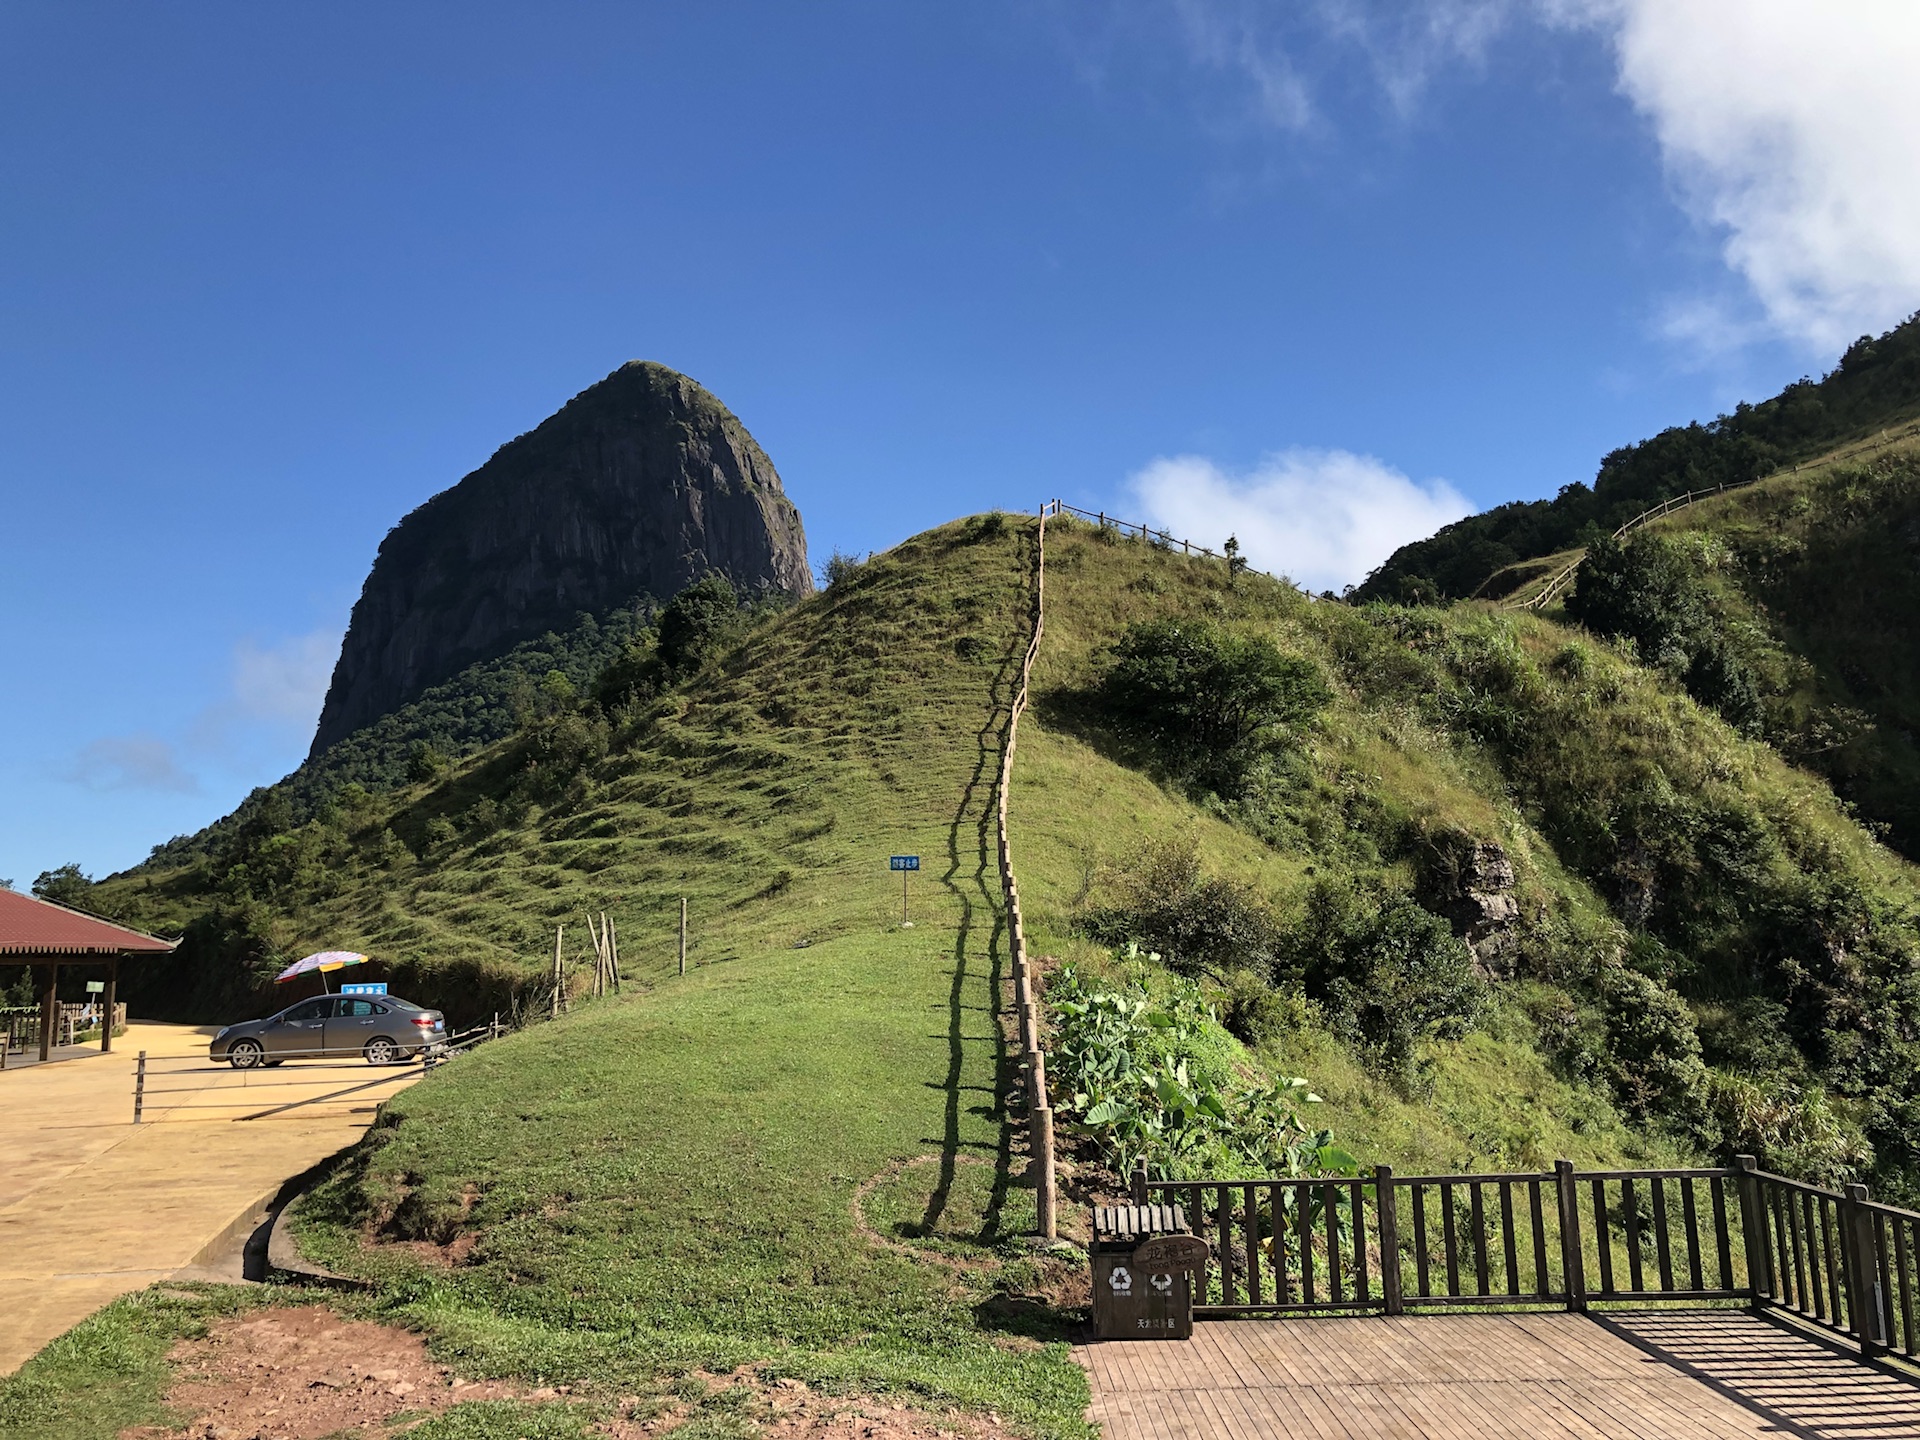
<point x="31" y="926"/>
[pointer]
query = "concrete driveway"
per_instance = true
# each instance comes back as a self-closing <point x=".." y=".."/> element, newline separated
<point x="92" y="1206"/>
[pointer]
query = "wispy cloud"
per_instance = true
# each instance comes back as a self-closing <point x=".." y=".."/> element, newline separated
<point x="271" y="702"/>
<point x="286" y="680"/>
<point x="1323" y="518"/>
<point x="1787" y="128"/>
<point x="131" y="762"/>
<point x="1792" y="129"/>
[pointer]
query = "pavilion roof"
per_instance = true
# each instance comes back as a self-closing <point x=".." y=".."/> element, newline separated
<point x="32" y="926"/>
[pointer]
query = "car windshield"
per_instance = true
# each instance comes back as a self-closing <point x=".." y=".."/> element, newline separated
<point x="399" y="1004"/>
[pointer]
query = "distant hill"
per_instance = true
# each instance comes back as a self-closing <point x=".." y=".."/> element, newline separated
<point x="636" y="488"/>
<point x="1876" y="384"/>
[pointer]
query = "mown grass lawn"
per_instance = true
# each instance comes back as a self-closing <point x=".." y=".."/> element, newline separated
<point x="670" y="1182"/>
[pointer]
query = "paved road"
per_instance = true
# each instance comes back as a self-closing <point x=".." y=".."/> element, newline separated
<point x="92" y="1206"/>
<point x="1650" y="1375"/>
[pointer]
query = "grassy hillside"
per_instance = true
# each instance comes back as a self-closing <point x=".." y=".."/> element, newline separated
<point x="1875" y="385"/>
<point x="799" y="1156"/>
<point x="1794" y="608"/>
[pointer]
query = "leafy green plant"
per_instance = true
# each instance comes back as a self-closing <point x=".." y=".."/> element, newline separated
<point x="1149" y="1078"/>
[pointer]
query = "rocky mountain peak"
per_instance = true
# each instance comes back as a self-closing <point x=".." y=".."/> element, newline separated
<point x="639" y="485"/>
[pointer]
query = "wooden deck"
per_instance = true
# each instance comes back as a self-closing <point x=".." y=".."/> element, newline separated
<point x="1644" y="1375"/>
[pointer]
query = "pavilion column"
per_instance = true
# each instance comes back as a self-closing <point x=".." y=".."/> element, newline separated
<point x="49" y="1010"/>
<point x="106" y="1023"/>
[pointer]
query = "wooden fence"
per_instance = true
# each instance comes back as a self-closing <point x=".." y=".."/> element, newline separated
<point x="1397" y="1244"/>
<point x="1026" y="1010"/>
<point x="1127" y="528"/>
<point x="1544" y="596"/>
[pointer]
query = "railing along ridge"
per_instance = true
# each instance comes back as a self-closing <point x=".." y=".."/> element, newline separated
<point x="1679" y="502"/>
<point x="1026" y="1011"/>
<point x="1127" y="527"/>
<point x="1397" y="1244"/>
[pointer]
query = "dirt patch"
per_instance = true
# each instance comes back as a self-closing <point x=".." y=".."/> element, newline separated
<point x="309" y="1373"/>
<point x="299" y="1374"/>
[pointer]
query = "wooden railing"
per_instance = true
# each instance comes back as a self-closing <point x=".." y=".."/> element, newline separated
<point x="1544" y="596"/>
<point x="1127" y="528"/>
<point x="1026" y="1006"/>
<point x="1397" y="1244"/>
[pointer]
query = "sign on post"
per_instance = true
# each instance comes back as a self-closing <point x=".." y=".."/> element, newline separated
<point x="94" y="987"/>
<point x="378" y="987"/>
<point x="906" y="865"/>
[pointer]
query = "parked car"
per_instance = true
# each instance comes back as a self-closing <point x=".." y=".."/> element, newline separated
<point x="383" y="1028"/>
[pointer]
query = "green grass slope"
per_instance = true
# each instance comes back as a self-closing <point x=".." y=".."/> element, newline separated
<point x="798" y="1156"/>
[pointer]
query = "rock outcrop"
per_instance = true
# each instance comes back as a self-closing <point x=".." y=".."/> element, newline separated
<point x="640" y="485"/>
<point x="1470" y="882"/>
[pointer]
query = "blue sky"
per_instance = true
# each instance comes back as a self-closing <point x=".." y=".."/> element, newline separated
<point x="1330" y="273"/>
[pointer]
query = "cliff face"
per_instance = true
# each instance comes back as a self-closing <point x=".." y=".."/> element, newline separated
<point x="639" y="485"/>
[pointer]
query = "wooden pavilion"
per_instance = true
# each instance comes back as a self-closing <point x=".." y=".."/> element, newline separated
<point x="46" y="936"/>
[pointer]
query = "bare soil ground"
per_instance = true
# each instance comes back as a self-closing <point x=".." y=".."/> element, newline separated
<point x="306" y="1373"/>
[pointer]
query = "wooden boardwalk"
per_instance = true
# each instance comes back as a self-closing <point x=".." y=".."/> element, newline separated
<point x="1688" y="1375"/>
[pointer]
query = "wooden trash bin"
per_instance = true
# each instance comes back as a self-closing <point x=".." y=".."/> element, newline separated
<point x="1143" y="1263"/>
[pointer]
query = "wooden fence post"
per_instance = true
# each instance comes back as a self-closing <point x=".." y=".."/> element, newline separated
<point x="683" y="935"/>
<point x="139" y="1086"/>
<point x="1389" y="1239"/>
<point x="559" y="974"/>
<point x="1860" y="1248"/>
<point x="1037" y="1078"/>
<point x="1137" y="1183"/>
<point x="1043" y="1143"/>
<point x="1753" y="1230"/>
<point x="1572" y="1253"/>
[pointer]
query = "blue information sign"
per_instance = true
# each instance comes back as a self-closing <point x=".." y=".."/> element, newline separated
<point x="905" y="862"/>
<point x="376" y="988"/>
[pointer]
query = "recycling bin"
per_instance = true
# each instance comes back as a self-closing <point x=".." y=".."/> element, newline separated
<point x="1143" y="1262"/>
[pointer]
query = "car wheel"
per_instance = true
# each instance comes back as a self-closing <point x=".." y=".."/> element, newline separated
<point x="244" y="1054"/>
<point x="381" y="1051"/>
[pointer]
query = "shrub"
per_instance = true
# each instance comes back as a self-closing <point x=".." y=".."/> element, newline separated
<point x="1203" y="925"/>
<point x="696" y="624"/>
<point x="1255" y="1013"/>
<point x="839" y="569"/>
<point x="1790" y="1129"/>
<point x="1207" y="699"/>
<point x="1388" y="973"/>
<point x="1653" y="1049"/>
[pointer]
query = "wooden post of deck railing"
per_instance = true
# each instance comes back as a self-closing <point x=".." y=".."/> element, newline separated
<point x="1572" y="1253"/>
<point x="1753" y="1231"/>
<point x="1866" y="1312"/>
<point x="1389" y="1239"/>
<point x="1137" y="1183"/>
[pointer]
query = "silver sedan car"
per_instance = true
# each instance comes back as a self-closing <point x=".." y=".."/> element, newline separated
<point x="382" y="1028"/>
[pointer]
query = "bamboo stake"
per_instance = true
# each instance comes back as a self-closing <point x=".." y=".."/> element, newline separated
<point x="559" y="975"/>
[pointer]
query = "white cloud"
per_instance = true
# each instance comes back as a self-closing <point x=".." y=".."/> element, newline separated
<point x="286" y="680"/>
<point x="1323" y="518"/>
<point x="131" y="762"/>
<point x="1793" y="128"/>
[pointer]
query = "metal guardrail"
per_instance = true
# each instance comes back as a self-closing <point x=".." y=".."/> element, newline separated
<point x="149" y="1067"/>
